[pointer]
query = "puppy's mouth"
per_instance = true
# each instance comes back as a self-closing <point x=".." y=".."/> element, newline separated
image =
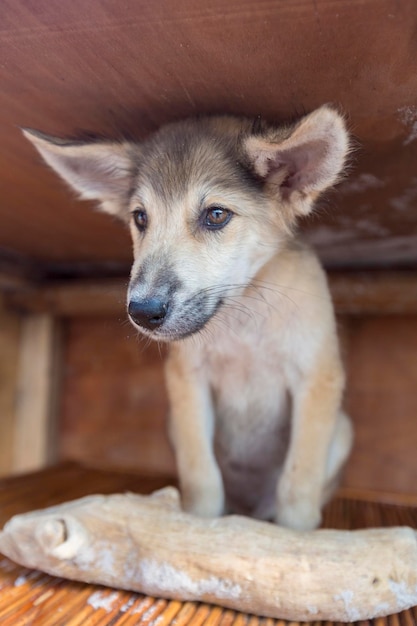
<point x="173" y="321"/>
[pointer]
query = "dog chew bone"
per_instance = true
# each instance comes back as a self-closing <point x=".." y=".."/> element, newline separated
<point x="148" y="544"/>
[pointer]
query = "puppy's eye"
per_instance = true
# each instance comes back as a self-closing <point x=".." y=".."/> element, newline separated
<point x="216" y="217"/>
<point x="140" y="218"/>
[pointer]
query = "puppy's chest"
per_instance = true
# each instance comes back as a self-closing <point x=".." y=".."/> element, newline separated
<point x="251" y="403"/>
<point x="246" y="373"/>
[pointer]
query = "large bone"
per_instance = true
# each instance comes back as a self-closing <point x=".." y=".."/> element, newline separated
<point x="148" y="544"/>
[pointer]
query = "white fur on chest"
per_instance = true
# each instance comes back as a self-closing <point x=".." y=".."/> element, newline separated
<point x="245" y="371"/>
<point x="250" y="395"/>
<point x="245" y="360"/>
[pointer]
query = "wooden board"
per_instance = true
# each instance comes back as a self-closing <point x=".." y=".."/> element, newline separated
<point x="113" y="68"/>
<point x="37" y="392"/>
<point x="382" y="399"/>
<point x="9" y="357"/>
<point x="40" y="600"/>
<point x="114" y="403"/>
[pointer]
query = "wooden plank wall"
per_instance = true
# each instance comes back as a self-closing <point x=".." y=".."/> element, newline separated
<point x="382" y="399"/>
<point x="37" y="393"/>
<point x="9" y="351"/>
<point x="30" y="376"/>
<point x="114" y="405"/>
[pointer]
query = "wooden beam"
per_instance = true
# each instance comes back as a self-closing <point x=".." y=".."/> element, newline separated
<point x="72" y="298"/>
<point x="374" y="293"/>
<point x="354" y="293"/>
<point x="12" y="282"/>
<point x="17" y="271"/>
<point x="37" y="393"/>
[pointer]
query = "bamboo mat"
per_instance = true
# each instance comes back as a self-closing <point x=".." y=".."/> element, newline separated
<point x="30" y="598"/>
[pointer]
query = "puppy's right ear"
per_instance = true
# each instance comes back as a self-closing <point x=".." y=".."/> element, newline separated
<point x="304" y="164"/>
<point x="98" y="170"/>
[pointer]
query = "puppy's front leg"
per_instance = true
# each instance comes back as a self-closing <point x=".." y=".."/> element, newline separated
<point x="316" y="404"/>
<point x="192" y="431"/>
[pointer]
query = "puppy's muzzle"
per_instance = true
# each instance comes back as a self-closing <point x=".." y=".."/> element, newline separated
<point x="149" y="313"/>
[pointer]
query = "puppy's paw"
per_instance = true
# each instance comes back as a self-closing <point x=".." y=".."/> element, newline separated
<point x="204" y="498"/>
<point x="298" y="515"/>
<point x="296" y="510"/>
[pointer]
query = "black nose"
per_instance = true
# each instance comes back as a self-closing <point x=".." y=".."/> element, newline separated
<point x="149" y="313"/>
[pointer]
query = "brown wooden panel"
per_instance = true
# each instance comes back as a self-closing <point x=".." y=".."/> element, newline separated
<point x="114" y="403"/>
<point x="382" y="399"/>
<point x="377" y="293"/>
<point x="113" y="67"/>
<point x="37" y="393"/>
<point x="9" y="361"/>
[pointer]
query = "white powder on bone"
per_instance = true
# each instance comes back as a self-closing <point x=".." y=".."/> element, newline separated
<point x="403" y="594"/>
<point x="347" y="597"/>
<point x="167" y="578"/>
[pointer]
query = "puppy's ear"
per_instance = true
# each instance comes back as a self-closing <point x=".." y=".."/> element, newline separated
<point x="298" y="167"/>
<point x="96" y="170"/>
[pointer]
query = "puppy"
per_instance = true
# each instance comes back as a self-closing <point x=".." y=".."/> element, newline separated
<point x="254" y="374"/>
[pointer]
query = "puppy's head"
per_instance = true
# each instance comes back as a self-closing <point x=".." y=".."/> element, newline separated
<point x="208" y="202"/>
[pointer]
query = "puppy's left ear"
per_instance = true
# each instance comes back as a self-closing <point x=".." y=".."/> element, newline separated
<point x="96" y="170"/>
<point x="305" y="163"/>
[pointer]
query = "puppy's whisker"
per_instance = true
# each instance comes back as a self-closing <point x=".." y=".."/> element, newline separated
<point x="277" y="287"/>
<point x="143" y="341"/>
<point x="259" y="289"/>
<point x="219" y="321"/>
<point x="241" y="309"/>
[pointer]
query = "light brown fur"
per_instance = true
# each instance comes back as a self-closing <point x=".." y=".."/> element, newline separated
<point x="254" y="374"/>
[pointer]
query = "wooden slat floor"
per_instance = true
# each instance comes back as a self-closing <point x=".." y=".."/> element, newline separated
<point x="30" y="598"/>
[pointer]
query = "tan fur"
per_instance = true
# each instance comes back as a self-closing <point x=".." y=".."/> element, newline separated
<point x="254" y="374"/>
